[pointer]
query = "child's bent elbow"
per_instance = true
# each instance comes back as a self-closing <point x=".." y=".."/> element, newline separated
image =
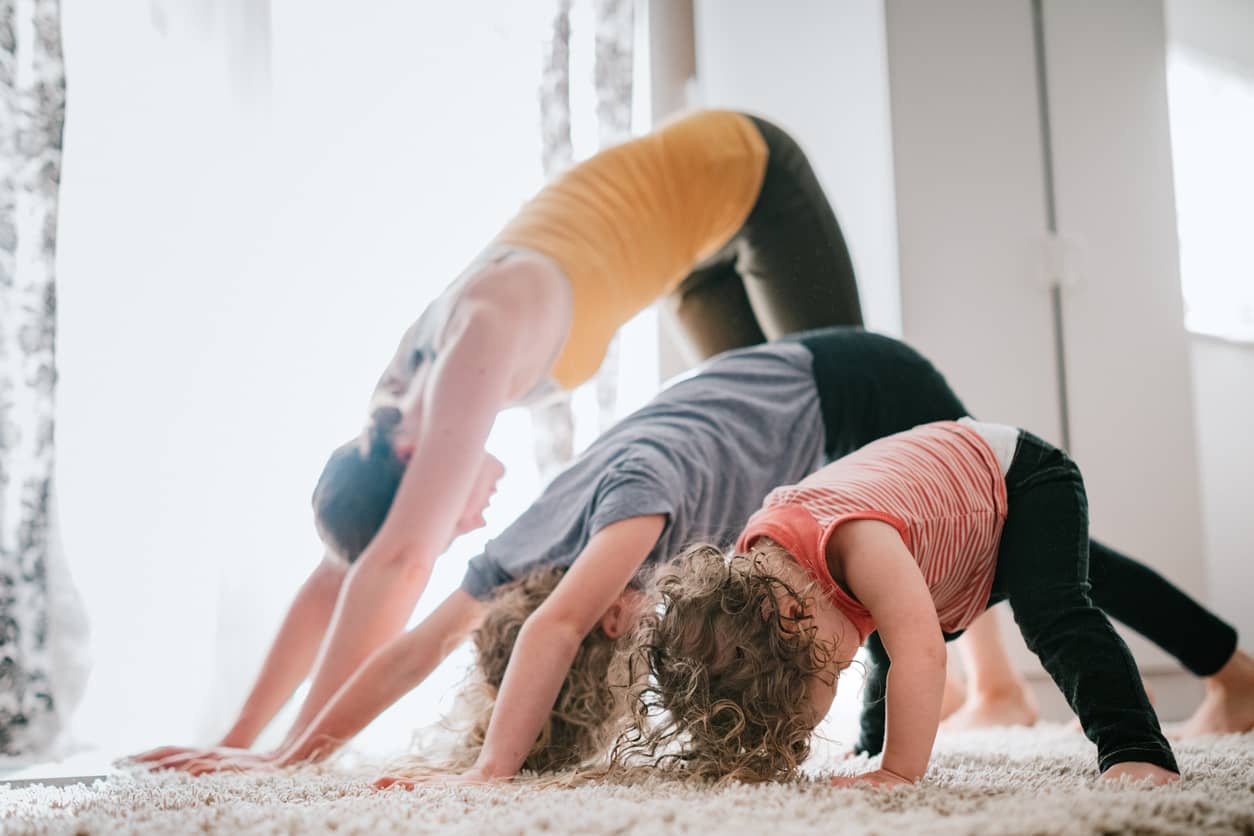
<point x="555" y="628"/>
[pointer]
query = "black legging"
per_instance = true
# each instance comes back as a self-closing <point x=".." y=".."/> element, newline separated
<point x="786" y="270"/>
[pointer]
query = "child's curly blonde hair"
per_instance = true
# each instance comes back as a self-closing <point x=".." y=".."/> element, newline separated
<point x="591" y="708"/>
<point x="726" y="696"/>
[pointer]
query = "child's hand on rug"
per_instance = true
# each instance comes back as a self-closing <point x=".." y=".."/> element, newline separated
<point x="1139" y="771"/>
<point x="470" y="778"/>
<point x="878" y="778"/>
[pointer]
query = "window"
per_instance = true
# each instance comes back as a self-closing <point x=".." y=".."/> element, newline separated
<point x="1212" y="132"/>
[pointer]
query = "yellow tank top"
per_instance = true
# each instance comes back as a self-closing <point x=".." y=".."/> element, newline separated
<point x="627" y="225"/>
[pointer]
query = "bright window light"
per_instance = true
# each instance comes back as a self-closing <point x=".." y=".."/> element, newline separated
<point x="1212" y="133"/>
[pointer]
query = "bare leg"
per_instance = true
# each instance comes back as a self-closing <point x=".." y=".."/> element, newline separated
<point x="997" y="694"/>
<point x="1228" y="706"/>
<point x="955" y="696"/>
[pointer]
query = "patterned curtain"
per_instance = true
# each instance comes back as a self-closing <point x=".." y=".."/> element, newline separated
<point x="612" y="69"/>
<point x="32" y="115"/>
<point x="553" y="422"/>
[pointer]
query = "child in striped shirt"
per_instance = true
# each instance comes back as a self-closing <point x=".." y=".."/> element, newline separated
<point x="912" y="537"/>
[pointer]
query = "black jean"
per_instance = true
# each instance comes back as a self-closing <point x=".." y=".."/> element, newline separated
<point x="1059" y="584"/>
<point x="786" y="270"/>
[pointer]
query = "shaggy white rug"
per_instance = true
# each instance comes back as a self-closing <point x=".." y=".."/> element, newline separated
<point x="1038" y="780"/>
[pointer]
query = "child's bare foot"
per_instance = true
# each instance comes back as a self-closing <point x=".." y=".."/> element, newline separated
<point x="1229" y="703"/>
<point x="1138" y="771"/>
<point x="986" y="709"/>
<point x="955" y="696"/>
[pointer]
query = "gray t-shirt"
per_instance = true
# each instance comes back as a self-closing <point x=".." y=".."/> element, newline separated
<point x="704" y="452"/>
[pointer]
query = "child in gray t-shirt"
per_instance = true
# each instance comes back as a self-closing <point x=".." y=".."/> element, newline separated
<point x="692" y="464"/>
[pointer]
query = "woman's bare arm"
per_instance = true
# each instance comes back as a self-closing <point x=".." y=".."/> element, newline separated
<point x="292" y="654"/>
<point x="287" y="663"/>
<point x="391" y="672"/>
<point x="470" y="381"/>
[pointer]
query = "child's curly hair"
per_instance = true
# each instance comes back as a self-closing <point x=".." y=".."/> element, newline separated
<point x="591" y="708"/>
<point x="728" y="671"/>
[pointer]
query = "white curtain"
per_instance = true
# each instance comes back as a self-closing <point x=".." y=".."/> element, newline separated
<point x="233" y="279"/>
<point x="234" y="275"/>
<point x="607" y="27"/>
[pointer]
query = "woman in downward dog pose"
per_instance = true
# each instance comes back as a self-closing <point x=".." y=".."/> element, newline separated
<point x="718" y="212"/>
<point x="909" y="539"/>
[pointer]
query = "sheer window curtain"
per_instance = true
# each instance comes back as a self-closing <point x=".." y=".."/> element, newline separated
<point x="241" y="249"/>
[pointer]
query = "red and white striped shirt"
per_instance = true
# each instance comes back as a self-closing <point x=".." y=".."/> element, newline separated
<point x="940" y="485"/>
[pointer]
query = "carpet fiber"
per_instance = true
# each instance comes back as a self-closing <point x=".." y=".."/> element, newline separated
<point x="1038" y="780"/>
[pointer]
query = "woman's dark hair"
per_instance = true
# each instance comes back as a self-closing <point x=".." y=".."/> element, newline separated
<point x="356" y="489"/>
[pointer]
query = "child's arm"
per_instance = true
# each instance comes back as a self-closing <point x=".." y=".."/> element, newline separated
<point x="391" y="672"/>
<point x="287" y="663"/>
<point x="881" y="573"/>
<point x="550" y="638"/>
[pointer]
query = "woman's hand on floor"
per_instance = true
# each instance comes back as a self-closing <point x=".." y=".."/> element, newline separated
<point x="205" y="761"/>
<point x="157" y="755"/>
<point x="175" y="757"/>
<point x="878" y="778"/>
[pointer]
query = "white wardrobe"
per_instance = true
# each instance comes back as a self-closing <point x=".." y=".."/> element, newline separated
<point x="948" y="170"/>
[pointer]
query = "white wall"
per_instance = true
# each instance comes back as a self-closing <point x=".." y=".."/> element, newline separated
<point x="971" y="204"/>
<point x="1127" y="353"/>
<point x="949" y="191"/>
<point x="818" y="70"/>
<point x="1223" y="397"/>
<point x="1212" y="43"/>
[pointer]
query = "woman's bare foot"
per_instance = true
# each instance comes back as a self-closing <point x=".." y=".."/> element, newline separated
<point x="1228" y="706"/>
<point x="1138" y="771"/>
<point x="955" y="696"/>
<point x="986" y="709"/>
